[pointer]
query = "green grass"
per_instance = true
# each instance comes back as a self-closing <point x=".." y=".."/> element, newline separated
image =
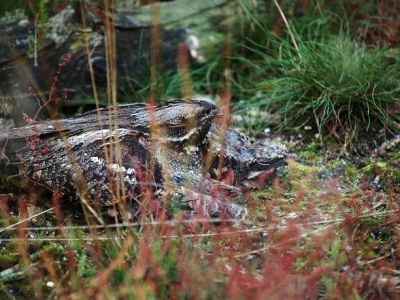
<point x="311" y="73"/>
<point x="342" y="88"/>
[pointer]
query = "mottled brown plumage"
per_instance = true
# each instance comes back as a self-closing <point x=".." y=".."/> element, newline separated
<point x="140" y="156"/>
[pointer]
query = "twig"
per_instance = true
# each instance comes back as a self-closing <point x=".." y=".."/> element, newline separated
<point x="27" y="219"/>
<point x="288" y="28"/>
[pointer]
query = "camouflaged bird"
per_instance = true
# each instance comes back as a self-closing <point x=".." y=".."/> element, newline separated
<point x="139" y="156"/>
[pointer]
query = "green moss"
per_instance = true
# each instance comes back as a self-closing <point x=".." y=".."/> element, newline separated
<point x="9" y="253"/>
<point x="6" y="219"/>
<point x="56" y="250"/>
<point x="386" y="173"/>
<point x="310" y="153"/>
<point x="394" y="178"/>
<point x="299" y="264"/>
<point x="351" y="172"/>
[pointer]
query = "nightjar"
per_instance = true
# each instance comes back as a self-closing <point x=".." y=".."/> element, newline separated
<point x="140" y="157"/>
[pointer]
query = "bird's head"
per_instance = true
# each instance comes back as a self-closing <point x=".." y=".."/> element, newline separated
<point x="180" y="122"/>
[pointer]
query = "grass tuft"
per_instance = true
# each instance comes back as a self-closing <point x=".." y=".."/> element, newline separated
<point x="344" y="88"/>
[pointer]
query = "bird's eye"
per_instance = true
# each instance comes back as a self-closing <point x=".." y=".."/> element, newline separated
<point x="176" y="125"/>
